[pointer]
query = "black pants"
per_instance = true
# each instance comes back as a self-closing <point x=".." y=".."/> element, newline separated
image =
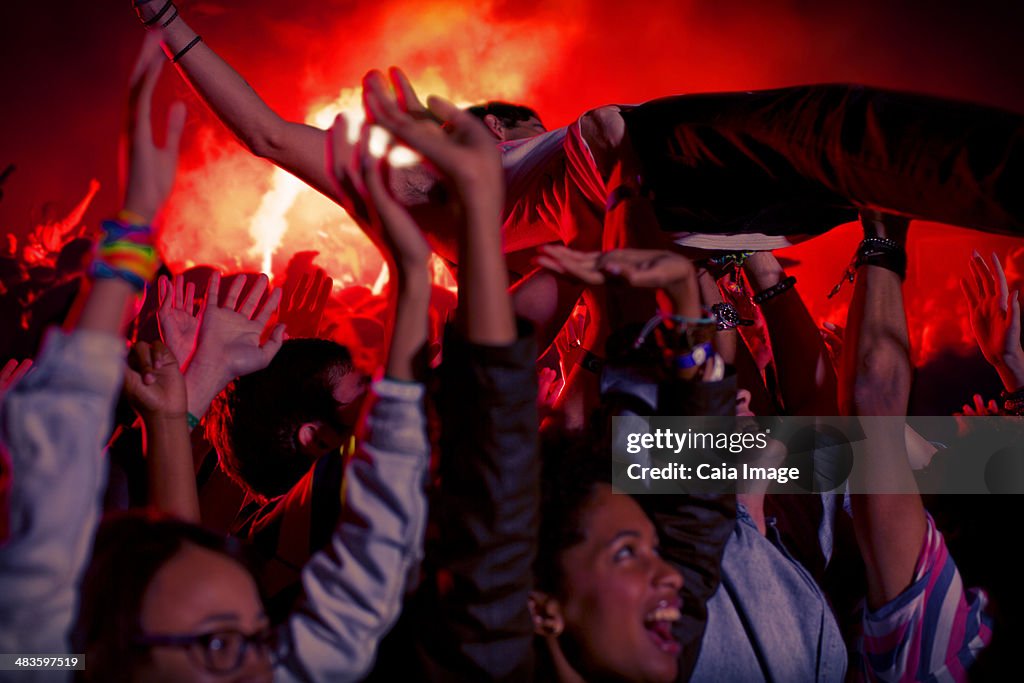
<point x="805" y="159"/>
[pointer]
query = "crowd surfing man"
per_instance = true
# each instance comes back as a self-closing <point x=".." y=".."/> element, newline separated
<point x="806" y="158"/>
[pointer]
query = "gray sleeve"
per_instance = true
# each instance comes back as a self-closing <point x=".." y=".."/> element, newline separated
<point x="354" y="587"/>
<point x="54" y="424"/>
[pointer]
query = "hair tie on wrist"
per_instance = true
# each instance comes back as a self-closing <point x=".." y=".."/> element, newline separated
<point x="192" y="420"/>
<point x="183" y="51"/>
<point x="159" y="15"/>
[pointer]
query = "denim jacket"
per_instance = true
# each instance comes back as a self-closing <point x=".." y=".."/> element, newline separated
<point x="768" y="621"/>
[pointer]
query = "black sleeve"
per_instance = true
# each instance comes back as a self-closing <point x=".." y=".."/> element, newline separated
<point x="474" y="621"/>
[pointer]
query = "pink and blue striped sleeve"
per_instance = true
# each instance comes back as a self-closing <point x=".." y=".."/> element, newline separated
<point x="934" y="631"/>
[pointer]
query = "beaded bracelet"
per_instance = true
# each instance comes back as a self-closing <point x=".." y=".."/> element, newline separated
<point x="126" y="252"/>
<point x="776" y="289"/>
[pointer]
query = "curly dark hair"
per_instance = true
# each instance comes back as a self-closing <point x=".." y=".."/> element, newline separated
<point x="573" y="468"/>
<point x="254" y="422"/>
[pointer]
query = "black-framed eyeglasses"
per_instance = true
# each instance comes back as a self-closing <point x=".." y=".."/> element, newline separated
<point x="221" y="651"/>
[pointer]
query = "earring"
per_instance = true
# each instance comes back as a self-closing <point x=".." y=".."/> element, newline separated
<point x="550" y="628"/>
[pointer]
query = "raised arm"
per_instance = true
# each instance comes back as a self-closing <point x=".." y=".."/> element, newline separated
<point x="55" y="421"/>
<point x="295" y="147"/>
<point x="155" y="387"/>
<point x="477" y="626"/>
<point x="807" y="379"/>
<point x="354" y="587"/>
<point x="890" y="527"/>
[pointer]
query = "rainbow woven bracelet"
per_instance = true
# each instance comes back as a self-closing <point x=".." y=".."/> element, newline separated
<point x="126" y="252"/>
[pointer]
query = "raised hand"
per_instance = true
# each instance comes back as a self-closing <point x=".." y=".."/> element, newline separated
<point x="150" y="168"/>
<point x="463" y="151"/>
<point x="648" y="268"/>
<point x="980" y="408"/>
<point x="12" y="372"/>
<point x="995" y="319"/>
<point x="303" y="307"/>
<point x="230" y="335"/>
<point x="179" y="321"/>
<point x="832" y="335"/>
<point x="398" y="234"/>
<point x="153" y="382"/>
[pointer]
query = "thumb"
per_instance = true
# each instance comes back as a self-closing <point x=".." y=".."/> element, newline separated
<point x="273" y="343"/>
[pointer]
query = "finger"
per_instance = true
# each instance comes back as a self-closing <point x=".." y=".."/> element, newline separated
<point x="213" y="291"/>
<point x="273" y="344"/>
<point x="252" y="299"/>
<point x="179" y="291"/>
<point x="176" y="117"/>
<point x="298" y="295"/>
<point x="378" y="100"/>
<point x="21" y="370"/>
<point x="231" y="298"/>
<point x="325" y="293"/>
<point x="143" y="131"/>
<point x="139" y="361"/>
<point x="163" y="289"/>
<point x="550" y="264"/>
<point x="273" y="301"/>
<point x="582" y="272"/>
<point x="315" y="289"/>
<point x="983" y="275"/>
<point x="190" y="298"/>
<point x="993" y="409"/>
<point x="8" y="370"/>
<point x="968" y="289"/>
<point x="460" y="119"/>
<point x="162" y="356"/>
<point x="407" y="98"/>
<point x="148" y="51"/>
<point x="1013" y="328"/>
<point x="979" y="404"/>
<point x="1000" y="278"/>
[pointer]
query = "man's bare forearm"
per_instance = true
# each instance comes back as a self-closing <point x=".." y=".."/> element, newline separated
<point x="295" y="147"/>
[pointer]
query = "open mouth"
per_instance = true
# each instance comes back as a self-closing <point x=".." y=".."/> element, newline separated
<point x="658" y="623"/>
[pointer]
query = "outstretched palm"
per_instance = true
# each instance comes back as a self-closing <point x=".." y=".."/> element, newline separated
<point x="229" y="342"/>
<point x="995" y="314"/>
